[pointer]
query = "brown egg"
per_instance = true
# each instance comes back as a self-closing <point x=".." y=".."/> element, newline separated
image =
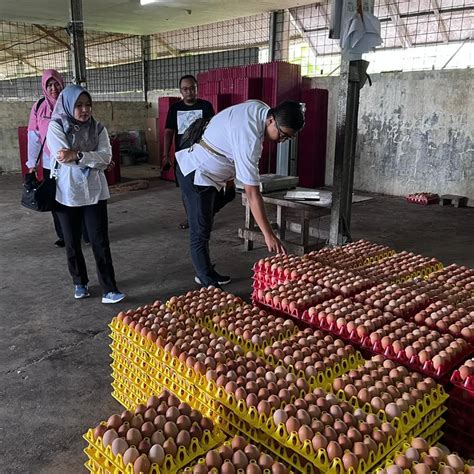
<point x="213" y="459"/>
<point x="252" y="452"/>
<point x="142" y="465"/>
<point x="238" y="442"/>
<point x="448" y="470"/>
<point x="412" y="454"/>
<point x="183" y="438"/>
<point x="402" y="461"/>
<point x="265" y="461"/>
<point x="133" y="437"/>
<point x="280" y="416"/>
<point x="350" y="460"/>
<point x="240" y="460"/>
<point x="279" y="468"/>
<point x="420" y="444"/>
<point x="292" y="425"/>
<point x="361" y="450"/>
<point x="392" y="411"/>
<point x="319" y="442"/>
<point x="421" y="469"/>
<point x="334" y="450"/>
<point x="130" y="455"/>
<point x="228" y="468"/>
<point x="305" y="433"/>
<point x="170" y="447"/>
<point x="170" y="430"/>
<point x="226" y="452"/>
<point x="394" y="469"/>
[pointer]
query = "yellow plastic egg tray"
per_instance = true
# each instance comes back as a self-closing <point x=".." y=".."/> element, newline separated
<point x="114" y="464"/>
<point x="376" y="259"/>
<point x="408" y="419"/>
<point x="324" y="379"/>
<point x="247" y="345"/>
<point x="428" y="420"/>
<point x="320" y="459"/>
<point x="189" y="469"/>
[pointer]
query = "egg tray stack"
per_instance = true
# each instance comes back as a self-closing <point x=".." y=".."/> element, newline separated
<point x="295" y="297"/>
<point x="409" y="401"/>
<point x="460" y="416"/>
<point x="278" y="269"/>
<point x="457" y="319"/>
<point x="401" y="267"/>
<point x="423" y="198"/>
<point x="261" y="417"/>
<point x="128" y="443"/>
<point x="252" y="328"/>
<point x="205" y="303"/>
<point x="422" y="456"/>
<point x="314" y="356"/>
<point x="154" y="368"/>
<point x="432" y="364"/>
<point x="455" y="275"/>
<point x="237" y="456"/>
<point x="352" y="255"/>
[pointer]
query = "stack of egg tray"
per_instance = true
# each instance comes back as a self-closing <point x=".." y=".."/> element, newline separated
<point x="189" y="469"/>
<point x="141" y="369"/>
<point x="418" y="417"/>
<point x="239" y="340"/>
<point x="460" y="416"/>
<point x="102" y="460"/>
<point x="323" y="379"/>
<point x="290" y="441"/>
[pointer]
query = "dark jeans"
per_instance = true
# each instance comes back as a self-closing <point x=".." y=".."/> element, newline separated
<point x="57" y="224"/>
<point x="95" y="219"/>
<point x="200" y="202"/>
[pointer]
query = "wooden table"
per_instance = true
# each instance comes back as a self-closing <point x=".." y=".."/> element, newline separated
<point x="287" y="214"/>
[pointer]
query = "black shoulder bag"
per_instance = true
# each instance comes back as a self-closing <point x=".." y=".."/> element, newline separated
<point x="39" y="195"/>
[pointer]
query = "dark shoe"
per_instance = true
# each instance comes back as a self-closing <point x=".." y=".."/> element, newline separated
<point x="221" y="279"/>
<point x="183" y="225"/>
<point x="59" y="243"/>
<point x="81" y="291"/>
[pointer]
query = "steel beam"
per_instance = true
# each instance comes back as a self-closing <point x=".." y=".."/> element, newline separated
<point x="76" y="33"/>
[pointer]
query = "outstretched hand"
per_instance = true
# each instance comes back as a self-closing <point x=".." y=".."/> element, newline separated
<point x="274" y="244"/>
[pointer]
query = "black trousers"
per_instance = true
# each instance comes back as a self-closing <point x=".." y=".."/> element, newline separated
<point x="202" y="203"/>
<point x="57" y="224"/>
<point x="95" y="220"/>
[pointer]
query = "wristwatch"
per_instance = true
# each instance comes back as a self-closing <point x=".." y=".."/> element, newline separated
<point x="80" y="155"/>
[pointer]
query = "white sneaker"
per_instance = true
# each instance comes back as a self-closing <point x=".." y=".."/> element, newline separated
<point x="112" y="297"/>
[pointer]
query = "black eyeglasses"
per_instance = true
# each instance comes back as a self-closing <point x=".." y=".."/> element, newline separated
<point x="190" y="89"/>
<point x="282" y="136"/>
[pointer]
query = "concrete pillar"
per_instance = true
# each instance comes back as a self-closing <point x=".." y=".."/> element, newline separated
<point x="279" y="36"/>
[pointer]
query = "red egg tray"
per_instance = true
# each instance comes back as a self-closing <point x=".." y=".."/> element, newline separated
<point x="467" y="385"/>
<point x="414" y="363"/>
<point x="423" y="198"/>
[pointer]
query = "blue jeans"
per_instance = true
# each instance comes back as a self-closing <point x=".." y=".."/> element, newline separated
<point x="200" y="202"/>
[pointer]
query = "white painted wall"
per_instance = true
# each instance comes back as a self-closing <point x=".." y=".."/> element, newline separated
<point x="416" y="133"/>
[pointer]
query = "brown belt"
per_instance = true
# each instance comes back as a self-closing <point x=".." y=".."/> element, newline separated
<point x="210" y="149"/>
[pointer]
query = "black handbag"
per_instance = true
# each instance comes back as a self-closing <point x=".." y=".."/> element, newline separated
<point x="38" y="195"/>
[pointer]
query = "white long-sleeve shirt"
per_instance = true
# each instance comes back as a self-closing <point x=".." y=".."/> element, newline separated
<point x="83" y="184"/>
<point x="237" y="133"/>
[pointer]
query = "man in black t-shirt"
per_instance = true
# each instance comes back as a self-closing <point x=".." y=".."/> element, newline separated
<point x="180" y="116"/>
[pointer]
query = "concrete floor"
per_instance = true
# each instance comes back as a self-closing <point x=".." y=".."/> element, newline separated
<point x="54" y="356"/>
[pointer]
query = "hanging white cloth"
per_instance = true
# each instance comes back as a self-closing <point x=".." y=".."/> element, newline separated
<point x="361" y="34"/>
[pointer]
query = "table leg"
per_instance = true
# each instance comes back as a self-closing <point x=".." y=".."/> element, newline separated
<point x="304" y="231"/>
<point x="281" y="221"/>
<point x="249" y="224"/>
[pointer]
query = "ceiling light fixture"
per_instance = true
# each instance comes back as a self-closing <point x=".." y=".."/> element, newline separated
<point x="148" y="2"/>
